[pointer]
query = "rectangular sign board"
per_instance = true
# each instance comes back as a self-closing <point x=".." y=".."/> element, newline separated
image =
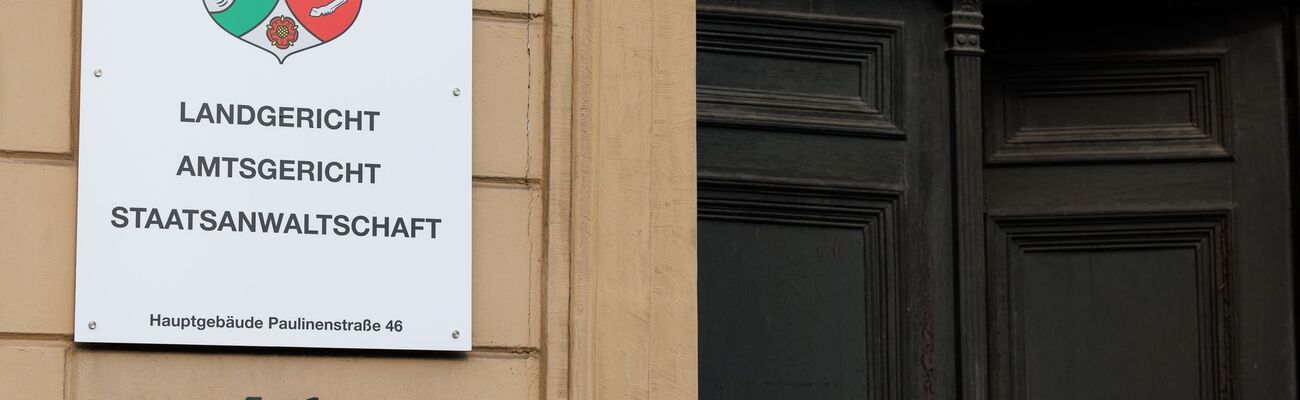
<point x="285" y="173"/>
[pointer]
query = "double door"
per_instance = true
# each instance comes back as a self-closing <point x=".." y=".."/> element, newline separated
<point x="1073" y="203"/>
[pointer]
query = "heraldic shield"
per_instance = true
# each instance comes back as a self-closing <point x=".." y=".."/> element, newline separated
<point x="284" y="27"/>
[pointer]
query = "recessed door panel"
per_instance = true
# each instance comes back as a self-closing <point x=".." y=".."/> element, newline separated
<point x="823" y="208"/>
<point x="1137" y="239"/>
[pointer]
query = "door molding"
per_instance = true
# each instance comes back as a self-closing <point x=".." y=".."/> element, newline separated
<point x="965" y="30"/>
<point x="1203" y="233"/>
<point x="873" y="46"/>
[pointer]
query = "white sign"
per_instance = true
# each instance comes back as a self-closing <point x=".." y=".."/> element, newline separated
<point x="288" y="173"/>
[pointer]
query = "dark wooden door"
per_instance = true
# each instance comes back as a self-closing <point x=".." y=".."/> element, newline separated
<point x="1136" y="183"/>
<point x="825" y="251"/>
<point x="1102" y="212"/>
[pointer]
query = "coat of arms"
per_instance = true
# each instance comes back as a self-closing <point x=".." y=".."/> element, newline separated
<point x="284" y="27"/>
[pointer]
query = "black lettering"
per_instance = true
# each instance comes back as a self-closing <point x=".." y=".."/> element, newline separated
<point x="225" y="113"/>
<point x="329" y="119"/>
<point x="248" y="168"/>
<point x="306" y="225"/>
<point x="271" y="222"/>
<point x="230" y="165"/>
<point x="433" y="227"/>
<point x="286" y="117"/>
<point x="324" y="222"/>
<point x="186" y="166"/>
<point x="266" y="116"/>
<point x="173" y="219"/>
<point x="349" y="119"/>
<point x="363" y="221"/>
<point x="245" y="111"/>
<point x="399" y="228"/>
<point x="293" y="225"/>
<point x="119" y="217"/>
<point x="286" y="170"/>
<point x="189" y="218"/>
<point x="372" y="115"/>
<point x="155" y="219"/>
<point x="329" y="174"/>
<point x="209" y="220"/>
<point x="304" y="118"/>
<point x="212" y="168"/>
<point x="205" y="113"/>
<point x="307" y="168"/>
<point x="357" y="172"/>
<point x="137" y="211"/>
<point x="266" y="169"/>
<point x="341" y="225"/>
<point x="247" y="222"/>
<point x="183" y="118"/>
<point x="373" y="168"/>
<point x="227" y="222"/>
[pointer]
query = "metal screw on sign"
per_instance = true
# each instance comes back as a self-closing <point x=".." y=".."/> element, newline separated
<point x="99" y="72"/>
<point x="455" y="92"/>
<point x="93" y="325"/>
<point x="454" y="334"/>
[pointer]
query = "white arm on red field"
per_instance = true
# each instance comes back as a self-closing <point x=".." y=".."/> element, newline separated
<point x="216" y="6"/>
<point x="327" y="9"/>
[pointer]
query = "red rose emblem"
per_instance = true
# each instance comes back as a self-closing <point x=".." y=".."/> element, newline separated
<point x="282" y="32"/>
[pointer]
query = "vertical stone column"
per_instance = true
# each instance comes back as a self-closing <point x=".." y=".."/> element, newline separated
<point x="633" y="201"/>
